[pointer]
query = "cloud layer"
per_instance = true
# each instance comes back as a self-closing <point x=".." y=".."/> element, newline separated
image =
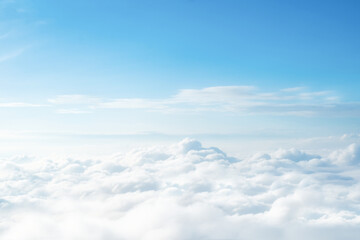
<point x="245" y="100"/>
<point x="238" y="99"/>
<point x="183" y="191"/>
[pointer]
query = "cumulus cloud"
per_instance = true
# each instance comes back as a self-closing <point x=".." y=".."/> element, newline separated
<point x="293" y="154"/>
<point x="183" y="191"/>
<point x="350" y="155"/>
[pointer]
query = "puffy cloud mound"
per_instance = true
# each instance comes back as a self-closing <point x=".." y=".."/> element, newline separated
<point x="350" y="155"/>
<point x="183" y="191"/>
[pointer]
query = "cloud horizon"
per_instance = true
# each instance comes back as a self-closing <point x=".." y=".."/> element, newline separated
<point x="182" y="191"/>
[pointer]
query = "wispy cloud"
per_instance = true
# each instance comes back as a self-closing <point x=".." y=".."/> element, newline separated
<point x="293" y="89"/>
<point x="72" y="111"/>
<point x="134" y="103"/>
<point x="20" y="105"/>
<point x="73" y="99"/>
<point x="236" y="99"/>
<point x="11" y="55"/>
<point x="4" y="35"/>
<point x="240" y="99"/>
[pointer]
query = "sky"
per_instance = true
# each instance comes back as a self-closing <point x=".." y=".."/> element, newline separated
<point x="164" y="70"/>
<point x="181" y="119"/>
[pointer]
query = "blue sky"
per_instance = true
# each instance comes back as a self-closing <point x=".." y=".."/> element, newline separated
<point x="259" y="69"/>
<point x="201" y="115"/>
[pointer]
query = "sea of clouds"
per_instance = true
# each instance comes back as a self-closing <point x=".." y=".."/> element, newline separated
<point x="182" y="191"/>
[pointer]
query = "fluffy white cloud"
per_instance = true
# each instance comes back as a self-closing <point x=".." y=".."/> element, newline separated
<point x="183" y="191"/>
<point x="350" y="155"/>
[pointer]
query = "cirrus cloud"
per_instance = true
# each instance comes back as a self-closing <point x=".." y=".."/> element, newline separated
<point x="247" y="100"/>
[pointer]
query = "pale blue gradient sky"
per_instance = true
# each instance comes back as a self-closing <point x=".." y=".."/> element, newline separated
<point x="206" y="69"/>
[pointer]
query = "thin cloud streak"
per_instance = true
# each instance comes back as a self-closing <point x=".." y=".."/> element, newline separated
<point x="5" y="35"/>
<point x="21" y="105"/>
<point x="11" y="55"/>
<point x="73" y="99"/>
<point x="244" y="100"/>
<point x="247" y="100"/>
<point x="72" y="111"/>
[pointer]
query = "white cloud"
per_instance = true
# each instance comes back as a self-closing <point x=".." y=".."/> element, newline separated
<point x="239" y="95"/>
<point x="72" y="111"/>
<point x="133" y="103"/>
<point x="225" y="94"/>
<point x="245" y="100"/>
<point x="350" y="155"/>
<point x="352" y="136"/>
<point x="293" y="89"/>
<point x="237" y="99"/>
<point x="293" y="154"/>
<point x="73" y="99"/>
<point x="19" y="105"/>
<point x="184" y="191"/>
